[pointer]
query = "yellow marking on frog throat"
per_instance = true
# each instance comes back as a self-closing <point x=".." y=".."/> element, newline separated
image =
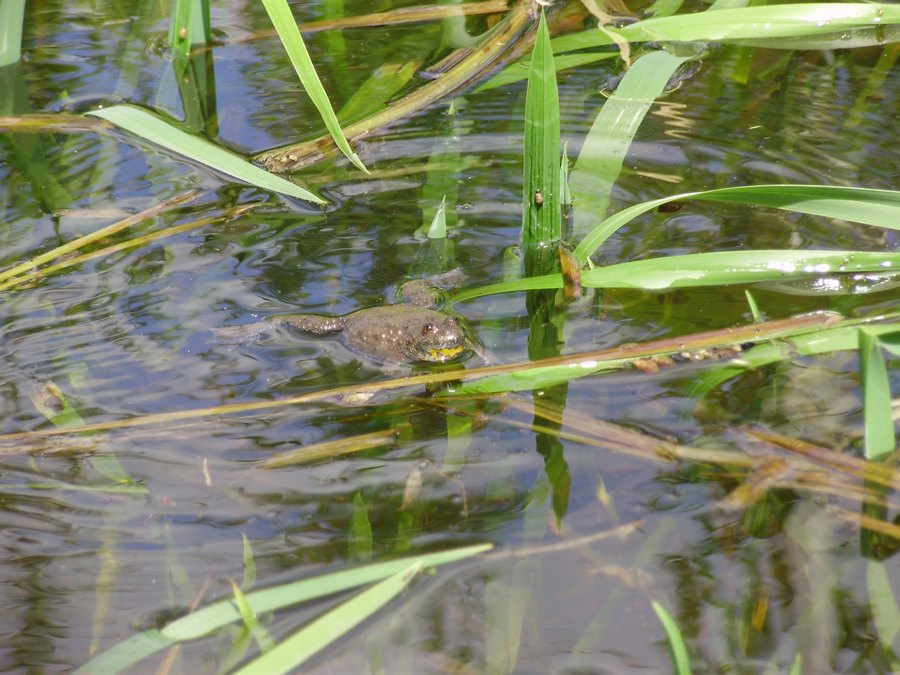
<point x="443" y="353"/>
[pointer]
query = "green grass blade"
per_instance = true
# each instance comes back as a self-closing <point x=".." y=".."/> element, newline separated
<point x="190" y="26"/>
<point x="883" y="600"/>
<point x="12" y="12"/>
<point x="606" y="145"/>
<point x="204" y="621"/>
<point x="862" y="205"/>
<point x="680" y="662"/>
<point x="438" y="227"/>
<point x="735" y="267"/>
<point x="839" y="338"/>
<point x="283" y="21"/>
<point x="198" y="150"/>
<point x="295" y="650"/>
<point x="360" y="537"/>
<point x="880" y="440"/>
<point x="542" y="217"/>
<point x="771" y="22"/>
<point x="699" y="270"/>
<point x="808" y="336"/>
<point x="375" y="93"/>
<point x="260" y="635"/>
<point x="249" y="580"/>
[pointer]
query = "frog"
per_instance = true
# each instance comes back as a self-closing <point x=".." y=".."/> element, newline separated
<point x="413" y="330"/>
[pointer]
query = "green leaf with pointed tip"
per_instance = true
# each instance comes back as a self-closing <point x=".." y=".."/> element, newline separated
<point x="280" y="13"/>
<point x="680" y="662"/>
<point x="542" y="217"/>
<point x="153" y="129"/>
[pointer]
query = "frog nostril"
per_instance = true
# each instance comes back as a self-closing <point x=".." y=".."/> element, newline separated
<point x="428" y="329"/>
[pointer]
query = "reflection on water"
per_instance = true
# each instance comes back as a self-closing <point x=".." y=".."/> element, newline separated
<point x="108" y="534"/>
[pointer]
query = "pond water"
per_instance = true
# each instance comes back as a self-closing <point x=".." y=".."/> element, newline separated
<point x="589" y="524"/>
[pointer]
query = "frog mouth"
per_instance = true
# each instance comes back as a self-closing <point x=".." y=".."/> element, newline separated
<point x="444" y="353"/>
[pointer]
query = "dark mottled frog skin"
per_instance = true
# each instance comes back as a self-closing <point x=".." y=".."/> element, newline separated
<point x="390" y="334"/>
<point x="407" y="332"/>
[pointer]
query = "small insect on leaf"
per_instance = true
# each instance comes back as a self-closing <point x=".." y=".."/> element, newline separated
<point x="538" y="198"/>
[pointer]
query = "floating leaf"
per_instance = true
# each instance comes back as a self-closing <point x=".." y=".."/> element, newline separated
<point x="151" y="128"/>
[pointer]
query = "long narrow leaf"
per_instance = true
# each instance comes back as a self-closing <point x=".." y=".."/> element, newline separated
<point x="700" y="270"/>
<point x="861" y="205"/>
<point x="542" y="217"/>
<point x="680" y="662"/>
<point x="12" y="12"/>
<point x="280" y="14"/>
<point x="880" y="440"/>
<point x="748" y="23"/>
<point x="606" y="145"/>
<point x="159" y="132"/>
<point x="219" y="614"/>
<point x="295" y="650"/>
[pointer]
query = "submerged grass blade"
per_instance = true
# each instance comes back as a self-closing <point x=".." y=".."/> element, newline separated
<point x="359" y="540"/>
<point x="494" y="44"/>
<point x="542" y="217"/>
<point x="606" y="145"/>
<point x="125" y="245"/>
<point x="680" y="662"/>
<point x="220" y="614"/>
<point x="880" y="440"/>
<point x="295" y="650"/>
<point x="257" y="630"/>
<point x="12" y="12"/>
<point x="103" y="232"/>
<point x="198" y="150"/>
<point x="883" y="600"/>
<point x="331" y="449"/>
<point x="280" y="14"/>
<point x="862" y="205"/>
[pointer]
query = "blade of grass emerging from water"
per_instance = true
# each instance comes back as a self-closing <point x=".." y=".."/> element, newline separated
<point x="198" y="150"/>
<point x="280" y="14"/>
<point x="542" y="217"/>
<point x="190" y="26"/>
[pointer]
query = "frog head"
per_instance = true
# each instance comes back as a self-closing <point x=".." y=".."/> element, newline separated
<point x="436" y="339"/>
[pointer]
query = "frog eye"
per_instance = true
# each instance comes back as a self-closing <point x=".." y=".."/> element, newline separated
<point x="428" y="329"/>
